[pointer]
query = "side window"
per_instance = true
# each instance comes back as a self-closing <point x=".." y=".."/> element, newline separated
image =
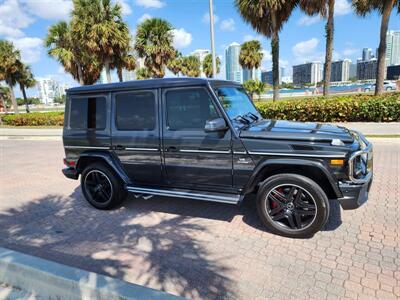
<point x="188" y="109"/>
<point x="135" y="111"/>
<point x="88" y="113"/>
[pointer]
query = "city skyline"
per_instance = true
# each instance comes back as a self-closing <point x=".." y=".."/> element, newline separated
<point x="302" y="39"/>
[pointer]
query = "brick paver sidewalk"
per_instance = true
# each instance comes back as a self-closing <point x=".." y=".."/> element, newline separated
<point x="196" y="249"/>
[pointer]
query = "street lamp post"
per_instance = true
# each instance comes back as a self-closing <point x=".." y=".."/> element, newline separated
<point x="214" y="61"/>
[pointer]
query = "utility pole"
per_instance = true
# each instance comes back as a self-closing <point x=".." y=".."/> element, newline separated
<point x="214" y="60"/>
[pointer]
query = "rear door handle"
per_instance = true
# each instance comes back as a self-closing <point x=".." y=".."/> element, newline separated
<point x="119" y="147"/>
<point x="172" y="149"/>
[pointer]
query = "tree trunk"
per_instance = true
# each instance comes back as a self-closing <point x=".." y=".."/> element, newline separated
<point x="329" y="46"/>
<point x="380" y="70"/>
<point x="119" y="72"/>
<point x="80" y="74"/>
<point x="13" y="100"/>
<point x="275" y="57"/>
<point x="22" y="87"/>
<point x="108" y="73"/>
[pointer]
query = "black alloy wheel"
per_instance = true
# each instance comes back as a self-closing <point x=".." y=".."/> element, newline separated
<point x="98" y="186"/>
<point x="292" y="205"/>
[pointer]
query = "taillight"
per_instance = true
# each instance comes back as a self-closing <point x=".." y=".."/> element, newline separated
<point x="69" y="163"/>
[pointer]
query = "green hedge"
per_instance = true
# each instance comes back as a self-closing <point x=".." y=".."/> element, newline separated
<point x="35" y="119"/>
<point x="359" y="108"/>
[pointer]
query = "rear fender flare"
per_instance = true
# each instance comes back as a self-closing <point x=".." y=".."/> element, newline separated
<point x="108" y="158"/>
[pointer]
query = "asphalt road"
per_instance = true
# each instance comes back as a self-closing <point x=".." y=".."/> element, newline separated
<point x="196" y="249"/>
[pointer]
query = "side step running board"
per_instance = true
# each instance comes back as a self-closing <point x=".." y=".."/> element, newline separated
<point x="206" y="196"/>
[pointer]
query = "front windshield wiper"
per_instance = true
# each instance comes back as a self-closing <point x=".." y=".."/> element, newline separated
<point x="241" y="119"/>
<point x="252" y="116"/>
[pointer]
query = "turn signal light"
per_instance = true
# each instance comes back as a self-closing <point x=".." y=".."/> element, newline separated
<point x="337" y="162"/>
<point x="69" y="163"/>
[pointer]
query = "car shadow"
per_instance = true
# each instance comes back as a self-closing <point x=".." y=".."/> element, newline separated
<point x="132" y="242"/>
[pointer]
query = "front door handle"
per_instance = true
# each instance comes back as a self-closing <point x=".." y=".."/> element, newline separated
<point x="171" y="149"/>
<point x="119" y="147"/>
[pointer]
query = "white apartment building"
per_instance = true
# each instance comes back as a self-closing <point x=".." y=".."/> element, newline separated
<point x="49" y="89"/>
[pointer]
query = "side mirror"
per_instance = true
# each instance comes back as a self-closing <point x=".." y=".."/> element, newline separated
<point x="215" y="125"/>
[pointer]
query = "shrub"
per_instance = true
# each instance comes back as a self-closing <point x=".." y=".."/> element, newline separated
<point x="35" y="119"/>
<point x="360" y="108"/>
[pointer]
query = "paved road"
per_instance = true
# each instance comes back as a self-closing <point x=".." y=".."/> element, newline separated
<point x="201" y="250"/>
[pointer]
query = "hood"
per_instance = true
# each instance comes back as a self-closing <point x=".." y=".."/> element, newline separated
<point x="296" y="131"/>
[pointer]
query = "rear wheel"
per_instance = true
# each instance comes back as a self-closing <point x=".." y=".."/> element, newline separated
<point x="292" y="205"/>
<point x="101" y="187"/>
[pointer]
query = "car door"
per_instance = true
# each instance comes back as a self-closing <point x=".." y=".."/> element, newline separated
<point x="193" y="158"/>
<point x="136" y="135"/>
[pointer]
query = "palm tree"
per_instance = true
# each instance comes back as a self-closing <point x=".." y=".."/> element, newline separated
<point x="99" y="26"/>
<point x="250" y="56"/>
<point x="127" y="62"/>
<point x="154" y="38"/>
<point x="191" y="66"/>
<point x="76" y="60"/>
<point x="142" y="73"/>
<point x="325" y="8"/>
<point x="25" y="79"/>
<point x="268" y="17"/>
<point x="4" y="97"/>
<point x="255" y="87"/>
<point x="385" y="8"/>
<point x="175" y="65"/>
<point x="207" y="65"/>
<point x="10" y="59"/>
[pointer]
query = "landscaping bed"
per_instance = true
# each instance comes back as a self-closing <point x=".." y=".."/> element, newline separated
<point x="359" y="108"/>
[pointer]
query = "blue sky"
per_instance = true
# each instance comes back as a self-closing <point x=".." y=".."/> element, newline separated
<point x="25" y="22"/>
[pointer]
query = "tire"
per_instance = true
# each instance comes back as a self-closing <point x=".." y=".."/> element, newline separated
<point x="292" y="205"/>
<point x="101" y="187"/>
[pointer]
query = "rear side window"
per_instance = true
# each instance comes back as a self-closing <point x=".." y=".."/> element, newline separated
<point x="88" y="113"/>
<point x="135" y="111"/>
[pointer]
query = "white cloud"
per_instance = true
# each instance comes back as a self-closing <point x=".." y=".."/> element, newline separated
<point x="182" y="38"/>
<point x="267" y="56"/>
<point x="307" y="20"/>
<point x="126" y="9"/>
<point x="305" y="48"/>
<point x="144" y="17"/>
<point x="227" y="25"/>
<point x="13" y="19"/>
<point x="50" y="9"/>
<point x="342" y="7"/>
<point x="150" y="3"/>
<point x="30" y="48"/>
<point x="350" y="51"/>
<point x="206" y="18"/>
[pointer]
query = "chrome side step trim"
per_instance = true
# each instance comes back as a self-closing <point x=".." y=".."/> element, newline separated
<point x="234" y="199"/>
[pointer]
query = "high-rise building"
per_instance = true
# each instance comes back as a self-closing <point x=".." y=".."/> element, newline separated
<point x="307" y="73"/>
<point x="232" y="66"/>
<point x="340" y="70"/>
<point x="353" y="71"/>
<point x="367" y="69"/>
<point x="49" y="89"/>
<point x="393" y="47"/>
<point x="266" y="77"/>
<point x="393" y="72"/>
<point x="251" y="74"/>
<point x="201" y="54"/>
<point x="367" y="54"/>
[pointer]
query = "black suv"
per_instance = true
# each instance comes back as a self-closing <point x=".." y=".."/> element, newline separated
<point x="204" y="139"/>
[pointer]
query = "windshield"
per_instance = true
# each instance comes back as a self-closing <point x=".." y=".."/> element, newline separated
<point x="236" y="102"/>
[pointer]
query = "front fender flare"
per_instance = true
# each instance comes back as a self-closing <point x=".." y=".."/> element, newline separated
<point x="264" y="165"/>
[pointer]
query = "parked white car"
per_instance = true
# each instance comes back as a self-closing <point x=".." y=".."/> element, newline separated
<point x="387" y="86"/>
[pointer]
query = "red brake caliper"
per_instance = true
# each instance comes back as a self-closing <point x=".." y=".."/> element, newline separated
<point x="273" y="203"/>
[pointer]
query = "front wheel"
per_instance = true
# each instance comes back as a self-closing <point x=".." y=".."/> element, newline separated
<point x="292" y="205"/>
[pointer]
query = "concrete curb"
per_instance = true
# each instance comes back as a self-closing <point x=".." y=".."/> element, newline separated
<point x="52" y="280"/>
